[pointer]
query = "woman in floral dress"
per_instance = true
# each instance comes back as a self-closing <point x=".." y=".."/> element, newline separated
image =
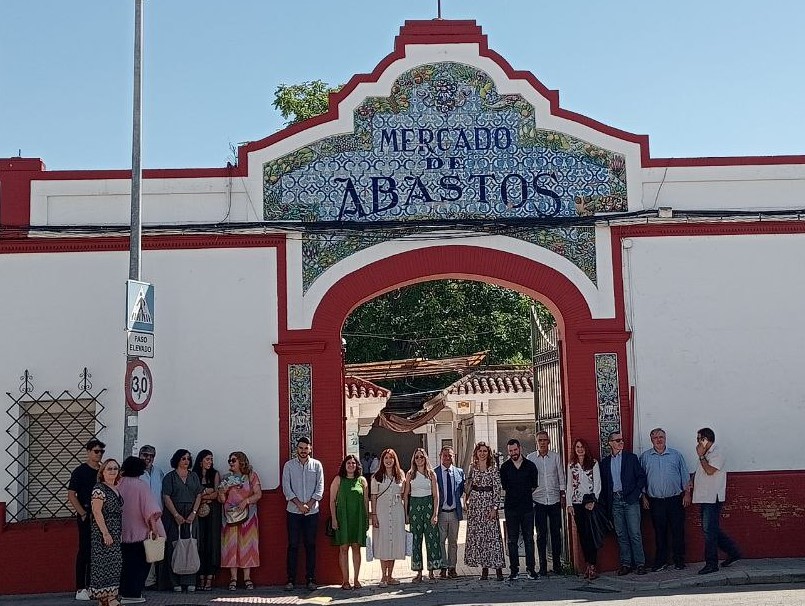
<point x="484" y="546"/>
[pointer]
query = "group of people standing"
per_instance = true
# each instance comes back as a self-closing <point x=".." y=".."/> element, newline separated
<point x="119" y="506"/>
<point x="658" y="481"/>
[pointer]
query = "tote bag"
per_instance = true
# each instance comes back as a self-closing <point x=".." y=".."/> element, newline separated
<point x="185" y="559"/>
<point x="154" y="548"/>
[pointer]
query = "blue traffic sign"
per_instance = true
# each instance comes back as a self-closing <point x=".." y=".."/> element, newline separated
<point x="139" y="306"/>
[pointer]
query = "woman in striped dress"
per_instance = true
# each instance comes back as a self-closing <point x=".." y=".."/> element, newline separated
<point x="240" y="489"/>
<point x="421" y="499"/>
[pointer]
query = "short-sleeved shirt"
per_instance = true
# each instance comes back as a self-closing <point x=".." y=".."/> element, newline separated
<point x="711" y="489"/>
<point x="82" y="481"/>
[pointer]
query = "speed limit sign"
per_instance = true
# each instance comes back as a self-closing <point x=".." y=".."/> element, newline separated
<point x="139" y="384"/>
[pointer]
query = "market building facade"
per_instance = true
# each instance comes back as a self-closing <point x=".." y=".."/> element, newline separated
<point x="675" y="284"/>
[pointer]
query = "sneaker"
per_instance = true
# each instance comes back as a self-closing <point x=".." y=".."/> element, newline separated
<point x="289" y="586"/>
<point x="514" y="576"/>
<point x="533" y="575"/>
<point x="81" y="595"/>
<point x="139" y="600"/>
<point x="191" y="589"/>
<point x="659" y="567"/>
<point x="709" y="568"/>
<point x="177" y="589"/>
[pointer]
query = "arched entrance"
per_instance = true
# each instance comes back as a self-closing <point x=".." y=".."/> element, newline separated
<point x="595" y="381"/>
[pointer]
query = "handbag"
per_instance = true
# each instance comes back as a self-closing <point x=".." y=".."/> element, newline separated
<point x="204" y="510"/>
<point x="328" y="527"/>
<point x="235" y="516"/>
<point x="185" y="559"/>
<point x="409" y="543"/>
<point x="154" y="548"/>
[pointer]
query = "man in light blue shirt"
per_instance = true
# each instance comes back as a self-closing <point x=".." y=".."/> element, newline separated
<point x="153" y="475"/>
<point x="303" y="486"/>
<point x="667" y="496"/>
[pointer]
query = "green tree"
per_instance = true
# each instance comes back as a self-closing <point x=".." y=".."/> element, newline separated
<point x="444" y="318"/>
<point x="298" y="102"/>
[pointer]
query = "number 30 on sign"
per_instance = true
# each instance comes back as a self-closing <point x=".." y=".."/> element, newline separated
<point x="139" y="384"/>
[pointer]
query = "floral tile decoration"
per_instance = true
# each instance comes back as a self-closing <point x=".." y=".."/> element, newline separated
<point x="445" y="145"/>
<point x="300" y="390"/>
<point x="609" y="407"/>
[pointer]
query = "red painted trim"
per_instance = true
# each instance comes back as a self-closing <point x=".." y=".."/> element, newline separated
<point x="738" y="228"/>
<point x="118" y="243"/>
<point x="300" y="347"/>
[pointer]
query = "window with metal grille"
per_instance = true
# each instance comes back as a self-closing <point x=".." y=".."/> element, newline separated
<point x="48" y="436"/>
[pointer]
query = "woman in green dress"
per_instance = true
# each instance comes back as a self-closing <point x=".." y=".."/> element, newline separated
<point x="349" y="506"/>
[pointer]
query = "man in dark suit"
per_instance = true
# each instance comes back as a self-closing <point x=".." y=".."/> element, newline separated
<point x="451" y="487"/>
<point x="622" y="482"/>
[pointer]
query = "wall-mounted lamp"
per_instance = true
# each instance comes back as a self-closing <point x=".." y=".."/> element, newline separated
<point x="665" y="212"/>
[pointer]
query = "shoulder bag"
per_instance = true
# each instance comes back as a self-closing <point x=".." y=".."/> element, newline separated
<point x="185" y="559"/>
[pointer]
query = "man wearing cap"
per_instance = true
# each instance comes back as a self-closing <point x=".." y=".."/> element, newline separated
<point x="153" y="476"/>
<point x="79" y="494"/>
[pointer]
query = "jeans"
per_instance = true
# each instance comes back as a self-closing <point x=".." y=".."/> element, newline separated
<point x="82" y="563"/>
<point x="714" y="537"/>
<point x="520" y="521"/>
<point x="303" y="526"/>
<point x="543" y="515"/>
<point x="626" y="517"/>
<point x="668" y="513"/>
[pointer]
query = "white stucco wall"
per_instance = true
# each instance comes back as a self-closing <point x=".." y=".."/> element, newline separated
<point x="215" y="371"/>
<point x="717" y="341"/>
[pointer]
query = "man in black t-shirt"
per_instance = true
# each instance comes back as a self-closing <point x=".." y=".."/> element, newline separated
<point x="79" y="494"/>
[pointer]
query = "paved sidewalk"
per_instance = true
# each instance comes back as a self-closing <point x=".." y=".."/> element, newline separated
<point x="467" y="588"/>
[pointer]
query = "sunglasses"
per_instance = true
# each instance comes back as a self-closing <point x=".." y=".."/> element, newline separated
<point x="185" y="458"/>
<point x="98" y="450"/>
<point x="419" y="456"/>
<point x="617" y="440"/>
<point x="148" y="455"/>
<point x="112" y="468"/>
<point x="232" y="460"/>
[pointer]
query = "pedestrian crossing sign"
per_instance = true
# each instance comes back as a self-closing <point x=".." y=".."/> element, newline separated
<point x="139" y="306"/>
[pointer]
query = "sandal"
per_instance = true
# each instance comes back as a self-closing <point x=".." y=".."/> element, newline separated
<point x="346" y="586"/>
<point x="357" y="584"/>
<point x="247" y="583"/>
<point x="233" y="585"/>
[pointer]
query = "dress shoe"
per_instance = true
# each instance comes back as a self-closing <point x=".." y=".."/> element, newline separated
<point x="680" y="566"/>
<point x="443" y="573"/>
<point x="623" y="570"/>
<point x="659" y="567"/>
<point x="532" y="574"/>
<point x="641" y="570"/>
<point x="451" y="572"/>
<point x="730" y="561"/>
<point x="709" y="568"/>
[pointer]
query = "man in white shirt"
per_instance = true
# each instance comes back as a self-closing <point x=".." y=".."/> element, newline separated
<point x="303" y="487"/>
<point x="548" y="499"/>
<point x="710" y="491"/>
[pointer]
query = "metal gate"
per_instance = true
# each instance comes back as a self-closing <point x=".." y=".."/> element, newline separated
<point x="548" y="405"/>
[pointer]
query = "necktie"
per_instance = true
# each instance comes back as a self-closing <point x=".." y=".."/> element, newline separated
<point x="448" y="479"/>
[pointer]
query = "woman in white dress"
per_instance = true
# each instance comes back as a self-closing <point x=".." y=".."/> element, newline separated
<point x="388" y="515"/>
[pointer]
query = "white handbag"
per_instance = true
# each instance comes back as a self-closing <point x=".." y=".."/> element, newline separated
<point x="154" y="548"/>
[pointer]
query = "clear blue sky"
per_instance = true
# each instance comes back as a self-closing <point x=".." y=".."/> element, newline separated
<point x="704" y="77"/>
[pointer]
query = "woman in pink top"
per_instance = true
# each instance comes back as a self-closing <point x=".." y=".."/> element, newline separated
<point x="141" y="516"/>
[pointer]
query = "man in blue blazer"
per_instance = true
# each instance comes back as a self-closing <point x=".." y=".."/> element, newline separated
<point x="451" y="489"/>
<point x="622" y="482"/>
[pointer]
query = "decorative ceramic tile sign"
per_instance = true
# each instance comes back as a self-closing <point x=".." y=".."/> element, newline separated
<point x="444" y="145"/>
